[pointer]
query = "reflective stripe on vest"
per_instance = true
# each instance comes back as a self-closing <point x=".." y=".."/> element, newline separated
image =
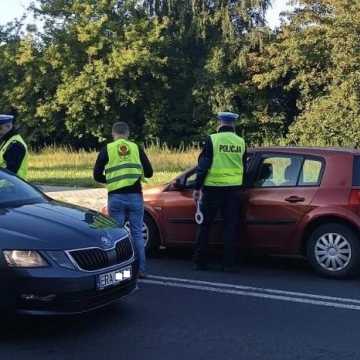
<point x="227" y="168"/>
<point x="124" y="166"/>
<point x="23" y="170"/>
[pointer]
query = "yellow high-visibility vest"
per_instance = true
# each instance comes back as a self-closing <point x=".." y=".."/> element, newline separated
<point x="23" y="170"/>
<point x="227" y="168"/>
<point x="124" y="167"/>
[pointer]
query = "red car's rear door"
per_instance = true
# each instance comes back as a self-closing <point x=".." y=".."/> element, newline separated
<point x="279" y="197"/>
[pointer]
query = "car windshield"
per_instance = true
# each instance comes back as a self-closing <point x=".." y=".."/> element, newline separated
<point x="15" y="192"/>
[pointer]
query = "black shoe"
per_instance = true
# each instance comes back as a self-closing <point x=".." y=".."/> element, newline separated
<point x="201" y="267"/>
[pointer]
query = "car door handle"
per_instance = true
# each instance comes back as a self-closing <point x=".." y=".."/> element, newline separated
<point x="294" y="199"/>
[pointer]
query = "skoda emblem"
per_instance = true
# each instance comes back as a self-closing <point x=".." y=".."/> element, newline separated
<point x="106" y="242"/>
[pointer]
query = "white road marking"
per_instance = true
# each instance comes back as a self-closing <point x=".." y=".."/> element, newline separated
<point x="273" y="294"/>
<point x="252" y="288"/>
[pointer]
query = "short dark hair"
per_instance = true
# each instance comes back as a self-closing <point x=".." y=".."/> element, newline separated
<point x="121" y="128"/>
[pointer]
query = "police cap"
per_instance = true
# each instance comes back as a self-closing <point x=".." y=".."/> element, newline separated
<point x="6" y="119"/>
<point x="227" y="116"/>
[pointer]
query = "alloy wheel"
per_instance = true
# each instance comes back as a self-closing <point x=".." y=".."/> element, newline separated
<point x="333" y="252"/>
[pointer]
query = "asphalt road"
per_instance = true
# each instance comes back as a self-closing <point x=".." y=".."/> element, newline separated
<point x="271" y="309"/>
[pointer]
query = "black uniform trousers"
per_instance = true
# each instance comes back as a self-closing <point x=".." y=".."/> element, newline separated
<point x="228" y="203"/>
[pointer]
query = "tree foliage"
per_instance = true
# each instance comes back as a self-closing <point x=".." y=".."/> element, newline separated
<point x="315" y="60"/>
<point x="168" y="66"/>
<point x="163" y="66"/>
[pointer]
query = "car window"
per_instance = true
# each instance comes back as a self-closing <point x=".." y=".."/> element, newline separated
<point x="190" y="180"/>
<point x="278" y="171"/>
<point x="191" y="177"/>
<point x="311" y="173"/>
<point x="14" y="191"/>
<point x="249" y="159"/>
<point x="356" y="171"/>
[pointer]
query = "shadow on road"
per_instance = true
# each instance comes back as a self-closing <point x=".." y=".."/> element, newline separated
<point x="29" y="328"/>
<point x="245" y="261"/>
<point x="27" y="333"/>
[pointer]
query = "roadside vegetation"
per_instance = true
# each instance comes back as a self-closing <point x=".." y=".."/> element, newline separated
<point x="167" y="67"/>
<point x="64" y="166"/>
<point x="67" y="167"/>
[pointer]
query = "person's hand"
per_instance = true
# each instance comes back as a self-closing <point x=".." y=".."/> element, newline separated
<point x="197" y="195"/>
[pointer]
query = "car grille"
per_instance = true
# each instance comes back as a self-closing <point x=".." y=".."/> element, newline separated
<point x="123" y="250"/>
<point x="97" y="259"/>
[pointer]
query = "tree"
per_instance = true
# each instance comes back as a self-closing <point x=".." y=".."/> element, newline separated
<point x="314" y="62"/>
<point x="164" y="66"/>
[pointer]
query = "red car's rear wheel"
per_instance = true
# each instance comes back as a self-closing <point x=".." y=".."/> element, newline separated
<point x="334" y="250"/>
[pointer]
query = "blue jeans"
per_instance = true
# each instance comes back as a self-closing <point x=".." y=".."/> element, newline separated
<point x="130" y="207"/>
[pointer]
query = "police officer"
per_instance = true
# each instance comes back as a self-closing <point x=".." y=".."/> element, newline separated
<point x="13" y="150"/>
<point x="122" y="165"/>
<point x="219" y="187"/>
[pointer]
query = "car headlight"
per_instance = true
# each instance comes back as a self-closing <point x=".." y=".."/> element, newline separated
<point x="24" y="258"/>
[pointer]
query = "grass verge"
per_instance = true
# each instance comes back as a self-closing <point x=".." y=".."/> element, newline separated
<point x="66" y="167"/>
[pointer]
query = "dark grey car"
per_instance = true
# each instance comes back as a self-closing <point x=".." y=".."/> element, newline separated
<point x="57" y="258"/>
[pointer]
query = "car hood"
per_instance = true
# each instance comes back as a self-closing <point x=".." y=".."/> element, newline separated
<point x="153" y="192"/>
<point x="153" y="196"/>
<point x="55" y="225"/>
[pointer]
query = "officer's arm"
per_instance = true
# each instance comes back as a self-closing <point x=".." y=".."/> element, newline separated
<point x="99" y="168"/>
<point x="204" y="163"/>
<point x="146" y="164"/>
<point x="14" y="155"/>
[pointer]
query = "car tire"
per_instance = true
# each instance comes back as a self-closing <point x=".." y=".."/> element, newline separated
<point x="153" y="244"/>
<point x="333" y="250"/>
<point x="150" y="234"/>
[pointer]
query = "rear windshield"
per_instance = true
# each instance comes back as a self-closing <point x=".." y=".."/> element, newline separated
<point x="356" y="171"/>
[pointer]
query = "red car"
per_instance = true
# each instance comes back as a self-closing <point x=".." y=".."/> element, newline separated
<point x="298" y="201"/>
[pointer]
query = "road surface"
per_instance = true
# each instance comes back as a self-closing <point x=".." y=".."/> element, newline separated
<point x="273" y="309"/>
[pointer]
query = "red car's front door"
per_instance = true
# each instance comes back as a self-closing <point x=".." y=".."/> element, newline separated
<point x="178" y="214"/>
<point x="178" y="217"/>
<point x="278" y="199"/>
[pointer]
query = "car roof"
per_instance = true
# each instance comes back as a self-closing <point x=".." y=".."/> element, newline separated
<point x="308" y="150"/>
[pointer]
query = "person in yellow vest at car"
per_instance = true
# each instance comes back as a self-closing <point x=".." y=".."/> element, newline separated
<point x="219" y="187"/>
<point x="13" y="150"/>
<point x="122" y="165"/>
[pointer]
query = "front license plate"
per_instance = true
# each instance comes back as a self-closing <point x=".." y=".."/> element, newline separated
<point x="113" y="278"/>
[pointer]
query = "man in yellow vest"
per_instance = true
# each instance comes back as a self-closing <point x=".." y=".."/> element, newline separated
<point x="219" y="187"/>
<point x="13" y="150"/>
<point x="122" y="165"/>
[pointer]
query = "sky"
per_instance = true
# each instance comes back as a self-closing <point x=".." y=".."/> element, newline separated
<point x="9" y="9"/>
<point x="273" y="13"/>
